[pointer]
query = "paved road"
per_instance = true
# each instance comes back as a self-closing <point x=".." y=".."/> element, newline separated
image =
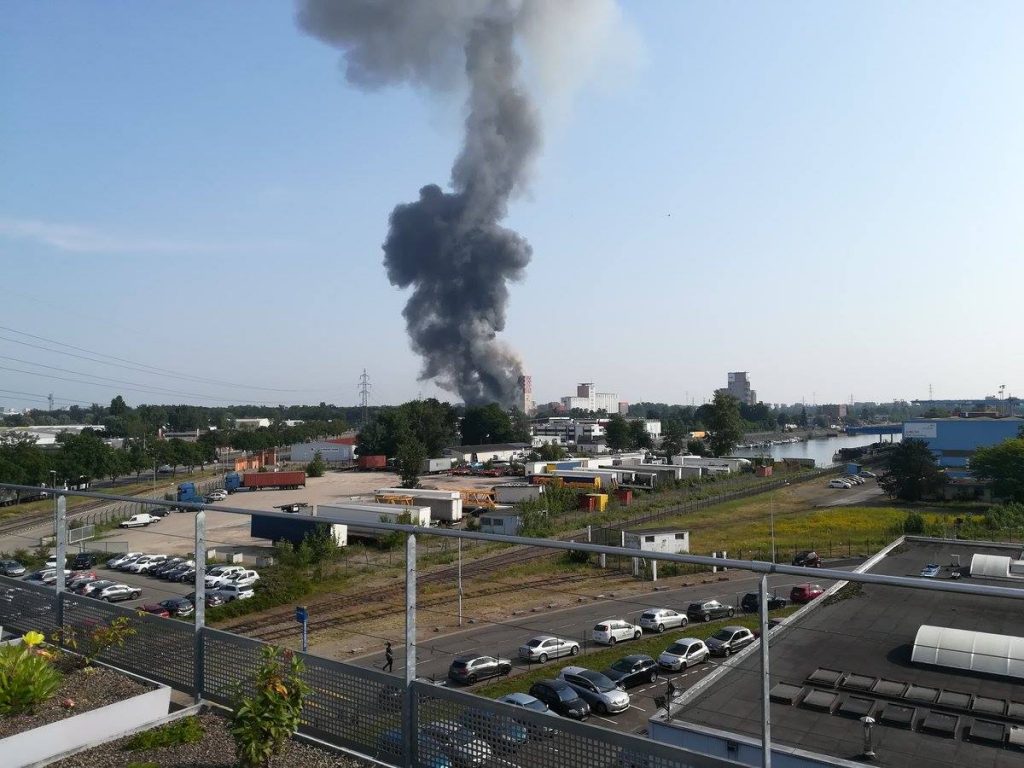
<point x="503" y="639"/>
<point x="859" y="494"/>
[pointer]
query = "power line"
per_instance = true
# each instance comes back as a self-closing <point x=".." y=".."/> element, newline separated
<point x="124" y="363"/>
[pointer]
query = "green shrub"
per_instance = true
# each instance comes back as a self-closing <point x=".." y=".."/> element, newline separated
<point x="317" y="467"/>
<point x="263" y="722"/>
<point x="27" y="675"/>
<point x="914" y="523"/>
<point x="275" y="587"/>
<point x="188" y="730"/>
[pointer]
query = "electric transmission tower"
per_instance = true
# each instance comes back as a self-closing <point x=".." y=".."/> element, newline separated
<point x="364" y="396"/>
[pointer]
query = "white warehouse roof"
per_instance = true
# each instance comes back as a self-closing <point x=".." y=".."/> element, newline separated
<point x="969" y="650"/>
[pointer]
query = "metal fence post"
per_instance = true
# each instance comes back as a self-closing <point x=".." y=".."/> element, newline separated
<point x="60" y="530"/>
<point x="409" y="725"/>
<point x="766" y="726"/>
<point x="200" y="606"/>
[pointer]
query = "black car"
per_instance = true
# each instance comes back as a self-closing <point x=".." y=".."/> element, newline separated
<point x="166" y="566"/>
<point x="470" y="669"/>
<point x="751" y="602"/>
<point x="807" y="559"/>
<point x="632" y="670"/>
<point x="83" y="561"/>
<point x="708" y="610"/>
<point x="178" y="606"/>
<point x="561" y="698"/>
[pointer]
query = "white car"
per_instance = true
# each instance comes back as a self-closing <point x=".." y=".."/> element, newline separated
<point x="837" y="483"/>
<point x="611" y="631"/>
<point x="145" y="563"/>
<point x="218" y="575"/>
<point x="140" y="520"/>
<point x="116" y="562"/>
<point x="231" y="592"/>
<point x="243" y="578"/>
<point x="854" y="479"/>
<point x="683" y="653"/>
<point x="660" y="619"/>
<point x="545" y="647"/>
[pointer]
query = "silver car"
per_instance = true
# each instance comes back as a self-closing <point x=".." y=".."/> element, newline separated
<point x="598" y="690"/>
<point x="660" y="619"/>
<point x="544" y="647"/>
<point x="458" y="743"/>
<point x="683" y="653"/>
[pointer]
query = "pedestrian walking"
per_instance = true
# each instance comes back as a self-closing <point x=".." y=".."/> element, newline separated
<point x="389" y="657"/>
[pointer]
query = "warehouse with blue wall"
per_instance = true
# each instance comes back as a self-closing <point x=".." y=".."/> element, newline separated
<point x="954" y="440"/>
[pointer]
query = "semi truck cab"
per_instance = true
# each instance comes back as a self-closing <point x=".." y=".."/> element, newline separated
<point x="232" y="482"/>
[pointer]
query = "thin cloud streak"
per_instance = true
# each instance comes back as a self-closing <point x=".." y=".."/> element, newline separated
<point x="75" y="239"/>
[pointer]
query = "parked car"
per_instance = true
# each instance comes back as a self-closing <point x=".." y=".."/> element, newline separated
<point x="182" y="574"/>
<point x="728" y="640"/>
<point x="807" y="559"/>
<point x="708" y="610"/>
<point x="868" y="474"/>
<point x="11" y="568"/>
<point x="138" y="521"/>
<point x="751" y="602"/>
<point x="243" y="578"/>
<point x="165" y="469"/>
<point x="503" y="732"/>
<point x="89" y="588"/>
<point x="611" y="631"/>
<point x="117" y="592"/>
<point x="145" y="563"/>
<point x="79" y="578"/>
<point x="161" y="568"/>
<point x="854" y="479"/>
<point x="83" y="561"/>
<point x="545" y="647"/>
<point x="156" y="609"/>
<point x="49" y="576"/>
<point x="632" y="670"/>
<point x="171" y="573"/>
<point x="178" y="606"/>
<point x="214" y="496"/>
<point x="51" y="562"/>
<point x="470" y="669"/>
<point x="230" y="592"/>
<point x="533" y="704"/>
<point x="458" y="743"/>
<point x="660" y="619"/>
<point x="602" y="694"/>
<point x="429" y="754"/>
<point x="683" y="653"/>
<point x="561" y="698"/>
<point x="931" y="571"/>
<point x="212" y="599"/>
<point x="219" y="574"/>
<point x="838" y="483"/>
<point x="127" y="563"/>
<point x="117" y="560"/>
<point x="804" y="593"/>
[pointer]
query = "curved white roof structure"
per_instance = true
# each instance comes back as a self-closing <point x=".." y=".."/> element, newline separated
<point x="991" y="566"/>
<point x="969" y="650"/>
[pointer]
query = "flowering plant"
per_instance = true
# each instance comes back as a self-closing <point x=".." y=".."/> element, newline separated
<point x="27" y="675"/>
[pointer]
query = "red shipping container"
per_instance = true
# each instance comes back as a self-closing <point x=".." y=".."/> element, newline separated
<point x="273" y="479"/>
<point x="587" y="503"/>
<point x="763" y="471"/>
<point x="373" y="462"/>
<point x="625" y="495"/>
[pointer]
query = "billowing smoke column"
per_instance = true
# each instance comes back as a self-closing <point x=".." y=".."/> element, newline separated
<point x="448" y="246"/>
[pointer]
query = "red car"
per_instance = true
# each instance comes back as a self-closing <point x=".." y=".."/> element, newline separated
<point x="156" y="610"/>
<point x="804" y="593"/>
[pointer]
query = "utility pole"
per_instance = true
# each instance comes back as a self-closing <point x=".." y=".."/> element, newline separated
<point x="50" y="400"/>
<point x="364" y="396"/>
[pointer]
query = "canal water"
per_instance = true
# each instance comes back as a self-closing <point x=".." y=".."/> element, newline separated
<point x="820" y="450"/>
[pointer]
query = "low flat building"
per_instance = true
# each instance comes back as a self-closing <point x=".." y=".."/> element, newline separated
<point x="507" y="523"/>
<point x="954" y="440"/>
<point x="335" y="450"/>
<point x="474" y="454"/>
<point x="673" y="540"/>
<point x="865" y="652"/>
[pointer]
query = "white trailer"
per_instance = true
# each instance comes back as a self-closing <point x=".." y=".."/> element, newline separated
<point x="513" y="493"/>
<point x="434" y="466"/>
<point x="371" y="513"/>
<point x="729" y="463"/>
<point x="444" y="505"/>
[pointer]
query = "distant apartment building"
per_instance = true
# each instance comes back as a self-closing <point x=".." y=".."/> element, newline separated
<point x="587" y="398"/>
<point x="738" y="386"/>
<point x="835" y="412"/>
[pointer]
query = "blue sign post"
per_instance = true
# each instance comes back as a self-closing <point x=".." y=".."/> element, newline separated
<point x="302" y="616"/>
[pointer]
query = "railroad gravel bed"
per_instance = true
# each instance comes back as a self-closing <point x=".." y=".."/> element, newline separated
<point x="215" y="750"/>
<point x="80" y="691"/>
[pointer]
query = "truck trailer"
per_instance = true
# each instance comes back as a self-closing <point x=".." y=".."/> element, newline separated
<point x="255" y="481"/>
<point x="444" y="506"/>
<point x="371" y="513"/>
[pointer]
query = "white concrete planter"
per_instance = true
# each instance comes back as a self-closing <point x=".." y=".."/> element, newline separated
<point x="47" y="742"/>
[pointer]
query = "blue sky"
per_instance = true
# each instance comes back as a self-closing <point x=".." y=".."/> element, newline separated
<point x="825" y="195"/>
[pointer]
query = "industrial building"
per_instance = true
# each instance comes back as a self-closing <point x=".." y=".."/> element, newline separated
<point x="587" y="398"/>
<point x="504" y="522"/>
<point x="954" y="440"/>
<point x="251" y="424"/>
<point x="478" y="454"/>
<point x="738" y="386"/>
<point x="673" y="540"/>
<point x="335" y="450"/>
<point x="936" y="675"/>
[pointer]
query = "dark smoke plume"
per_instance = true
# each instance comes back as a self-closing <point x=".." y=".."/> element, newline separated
<point x="448" y="246"/>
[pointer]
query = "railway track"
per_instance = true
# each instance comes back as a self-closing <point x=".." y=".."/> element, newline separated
<point x="336" y="610"/>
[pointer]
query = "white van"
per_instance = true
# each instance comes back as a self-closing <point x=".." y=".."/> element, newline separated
<point x="137" y="521"/>
<point x="837" y="483"/>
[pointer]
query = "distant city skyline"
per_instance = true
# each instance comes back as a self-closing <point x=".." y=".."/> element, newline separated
<point x="831" y="205"/>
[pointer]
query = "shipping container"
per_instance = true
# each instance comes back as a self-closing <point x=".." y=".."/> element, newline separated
<point x="256" y="481"/>
<point x="444" y="505"/>
<point x="294" y="529"/>
<point x="434" y="466"/>
<point x="372" y="462"/>
<point x="375" y="513"/>
<point x="514" y="493"/>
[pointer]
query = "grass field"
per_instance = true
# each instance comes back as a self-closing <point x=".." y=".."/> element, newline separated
<point x="603" y="657"/>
